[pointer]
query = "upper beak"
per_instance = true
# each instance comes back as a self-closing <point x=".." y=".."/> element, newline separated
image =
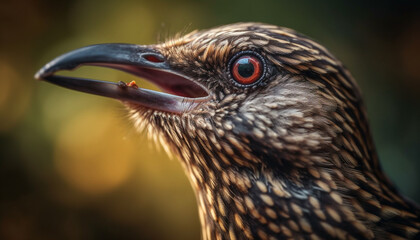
<point x="182" y="94"/>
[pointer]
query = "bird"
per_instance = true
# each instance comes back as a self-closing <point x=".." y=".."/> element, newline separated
<point x="269" y="126"/>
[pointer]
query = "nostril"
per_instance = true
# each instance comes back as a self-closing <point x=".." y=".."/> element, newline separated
<point x="153" y="58"/>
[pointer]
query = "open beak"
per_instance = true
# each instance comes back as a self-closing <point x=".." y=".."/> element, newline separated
<point x="181" y="93"/>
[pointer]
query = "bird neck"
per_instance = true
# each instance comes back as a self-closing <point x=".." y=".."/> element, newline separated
<point x="241" y="204"/>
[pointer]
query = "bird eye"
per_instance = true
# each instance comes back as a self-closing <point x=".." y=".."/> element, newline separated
<point x="247" y="69"/>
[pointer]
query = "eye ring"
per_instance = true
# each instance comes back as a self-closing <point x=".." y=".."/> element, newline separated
<point x="247" y="68"/>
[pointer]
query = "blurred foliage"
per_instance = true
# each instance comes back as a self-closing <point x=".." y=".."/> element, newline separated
<point x="71" y="167"/>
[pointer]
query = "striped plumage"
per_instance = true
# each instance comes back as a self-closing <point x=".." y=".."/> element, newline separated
<point x="290" y="157"/>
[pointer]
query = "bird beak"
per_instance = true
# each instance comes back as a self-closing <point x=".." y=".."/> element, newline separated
<point x="181" y="93"/>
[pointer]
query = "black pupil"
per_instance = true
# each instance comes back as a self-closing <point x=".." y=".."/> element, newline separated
<point x="245" y="68"/>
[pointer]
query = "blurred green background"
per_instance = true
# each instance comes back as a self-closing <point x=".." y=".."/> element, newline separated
<point x="71" y="166"/>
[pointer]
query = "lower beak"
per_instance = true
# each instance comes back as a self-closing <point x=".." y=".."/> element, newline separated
<point x="183" y="93"/>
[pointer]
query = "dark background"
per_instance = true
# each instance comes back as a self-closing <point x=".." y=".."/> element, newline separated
<point x="73" y="168"/>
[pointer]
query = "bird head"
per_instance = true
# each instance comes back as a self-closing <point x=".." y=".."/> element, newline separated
<point x="243" y="95"/>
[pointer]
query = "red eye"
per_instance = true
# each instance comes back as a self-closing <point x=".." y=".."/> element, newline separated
<point x="247" y="69"/>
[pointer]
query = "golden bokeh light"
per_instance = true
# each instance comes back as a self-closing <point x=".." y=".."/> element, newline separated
<point x="14" y="96"/>
<point x="91" y="153"/>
